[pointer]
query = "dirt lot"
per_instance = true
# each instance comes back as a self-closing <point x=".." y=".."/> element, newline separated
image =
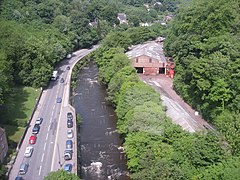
<point x="179" y="111"/>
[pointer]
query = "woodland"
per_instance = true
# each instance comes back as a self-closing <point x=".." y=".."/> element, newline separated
<point x="203" y="39"/>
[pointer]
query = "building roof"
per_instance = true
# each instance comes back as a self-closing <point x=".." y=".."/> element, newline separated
<point x="122" y="17"/>
<point x="151" y="49"/>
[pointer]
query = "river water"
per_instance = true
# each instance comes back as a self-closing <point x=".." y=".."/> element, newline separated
<point x="102" y="157"/>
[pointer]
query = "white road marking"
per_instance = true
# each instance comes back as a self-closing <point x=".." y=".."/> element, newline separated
<point x="49" y="127"/>
<point x="45" y="145"/>
<point x="40" y="169"/>
<point x="42" y="157"/>
<point x="52" y="113"/>
<point x="46" y="137"/>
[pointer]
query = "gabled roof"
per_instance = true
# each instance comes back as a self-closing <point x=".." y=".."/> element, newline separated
<point x="151" y="49"/>
<point x="122" y="17"/>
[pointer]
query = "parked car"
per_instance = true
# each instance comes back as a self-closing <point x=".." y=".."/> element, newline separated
<point x="39" y="120"/>
<point x="70" y="115"/>
<point x="59" y="100"/>
<point x="69" y="123"/>
<point x="36" y="129"/>
<point x="28" y="152"/>
<point x="69" y="56"/>
<point x="32" y="139"/>
<point x="70" y="134"/>
<point x="69" y="144"/>
<point x="68" y="167"/>
<point x="23" y="168"/>
<point x="61" y="80"/>
<point x="18" y="178"/>
<point x="68" y="154"/>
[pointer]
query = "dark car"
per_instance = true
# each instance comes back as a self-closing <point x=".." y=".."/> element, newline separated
<point x="18" y="178"/>
<point x="36" y="129"/>
<point x="59" y="100"/>
<point x="70" y="115"/>
<point x="68" y="167"/>
<point x="61" y="80"/>
<point x="23" y="168"/>
<point x="68" y="154"/>
<point x="69" y="123"/>
<point x="68" y="67"/>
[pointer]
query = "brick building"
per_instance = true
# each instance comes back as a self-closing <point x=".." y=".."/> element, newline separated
<point x="148" y="58"/>
<point x="3" y="144"/>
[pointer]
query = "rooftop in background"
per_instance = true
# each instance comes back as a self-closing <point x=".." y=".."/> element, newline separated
<point x="151" y="49"/>
<point x="122" y="18"/>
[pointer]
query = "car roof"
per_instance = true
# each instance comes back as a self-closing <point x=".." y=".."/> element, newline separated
<point x="68" y="166"/>
<point x="29" y="148"/>
<point x="69" y="141"/>
<point x="23" y="165"/>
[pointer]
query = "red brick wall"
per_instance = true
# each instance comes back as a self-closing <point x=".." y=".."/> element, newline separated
<point x="150" y="71"/>
<point x="149" y="66"/>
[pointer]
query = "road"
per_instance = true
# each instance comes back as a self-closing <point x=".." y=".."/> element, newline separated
<point x="50" y="145"/>
<point x="178" y="110"/>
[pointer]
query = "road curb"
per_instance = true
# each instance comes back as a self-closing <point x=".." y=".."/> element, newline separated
<point x="25" y="132"/>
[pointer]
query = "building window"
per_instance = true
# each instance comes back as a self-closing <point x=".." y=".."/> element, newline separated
<point x="136" y="60"/>
<point x="150" y="60"/>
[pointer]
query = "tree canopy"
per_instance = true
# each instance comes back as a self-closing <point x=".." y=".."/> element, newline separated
<point x="61" y="175"/>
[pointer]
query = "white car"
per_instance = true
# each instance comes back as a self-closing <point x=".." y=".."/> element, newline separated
<point x="28" y="151"/>
<point x="39" y="120"/>
<point x="70" y="134"/>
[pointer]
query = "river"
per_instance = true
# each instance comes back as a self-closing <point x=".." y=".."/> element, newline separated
<point x="102" y="156"/>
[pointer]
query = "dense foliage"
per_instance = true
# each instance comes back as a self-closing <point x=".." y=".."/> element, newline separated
<point x="204" y="41"/>
<point x="61" y="175"/>
<point x="36" y="35"/>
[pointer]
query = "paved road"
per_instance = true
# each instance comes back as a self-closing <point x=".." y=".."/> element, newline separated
<point x="179" y="111"/>
<point x="50" y="145"/>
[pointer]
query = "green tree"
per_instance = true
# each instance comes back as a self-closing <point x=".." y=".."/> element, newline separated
<point x="123" y="75"/>
<point x="228" y="123"/>
<point x="147" y="117"/>
<point x="6" y="78"/>
<point x="133" y="94"/>
<point x="61" y="175"/>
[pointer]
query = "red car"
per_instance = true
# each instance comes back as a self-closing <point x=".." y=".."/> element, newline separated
<point x="32" y="139"/>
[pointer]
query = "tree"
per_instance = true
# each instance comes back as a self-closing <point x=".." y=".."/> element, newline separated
<point x="147" y="117"/>
<point x="228" y="123"/>
<point x="126" y="74"/>
<point x="61" y="175"/>
<point x="133" y="94"/>
<point x="6" y="78"/>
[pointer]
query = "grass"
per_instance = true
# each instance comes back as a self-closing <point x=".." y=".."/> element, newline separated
<point x="17" y="111"/>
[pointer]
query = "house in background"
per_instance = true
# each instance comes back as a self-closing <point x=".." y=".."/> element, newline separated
<point x="148" y="58"/>
<point x="167" y="18"/>
<point x="3" y="144"/>
<point x="122" y="18"/>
